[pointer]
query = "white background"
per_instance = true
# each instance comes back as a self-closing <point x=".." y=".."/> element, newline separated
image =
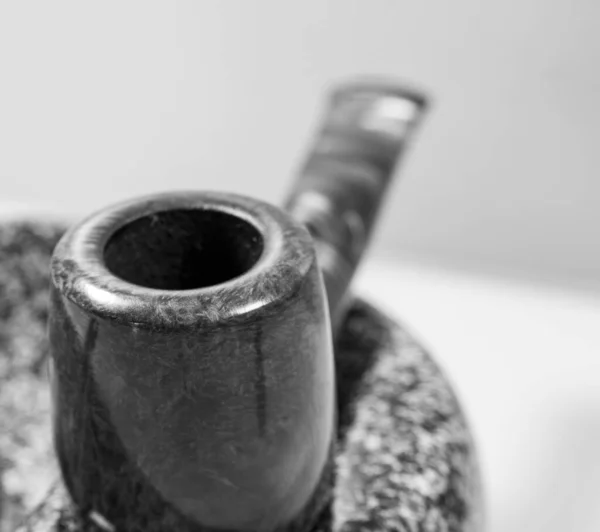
<point x="105" y="100"/>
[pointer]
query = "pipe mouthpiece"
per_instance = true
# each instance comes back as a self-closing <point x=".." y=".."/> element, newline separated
<point x="365" y="128"/>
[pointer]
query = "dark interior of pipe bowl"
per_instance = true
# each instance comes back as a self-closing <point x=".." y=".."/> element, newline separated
<point x="183" y="249"/>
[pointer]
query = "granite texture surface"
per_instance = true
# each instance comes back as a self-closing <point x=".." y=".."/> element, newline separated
<point x="405" y="459"/>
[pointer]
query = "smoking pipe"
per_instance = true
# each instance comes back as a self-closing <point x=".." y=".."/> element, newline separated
<point x="191" y="337"/>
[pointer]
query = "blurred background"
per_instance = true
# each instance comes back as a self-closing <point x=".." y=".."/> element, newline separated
<point x="104" y="101"/>
<point x="487" y="247"/>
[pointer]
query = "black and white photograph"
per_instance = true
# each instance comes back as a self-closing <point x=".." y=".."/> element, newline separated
<point x="319" y="266"/>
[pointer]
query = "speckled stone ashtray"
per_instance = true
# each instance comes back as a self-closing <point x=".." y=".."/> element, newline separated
<point x="405" y="459"/>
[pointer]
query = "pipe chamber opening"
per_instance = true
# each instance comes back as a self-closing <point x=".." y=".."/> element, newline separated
<point x="183" y="249"/>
